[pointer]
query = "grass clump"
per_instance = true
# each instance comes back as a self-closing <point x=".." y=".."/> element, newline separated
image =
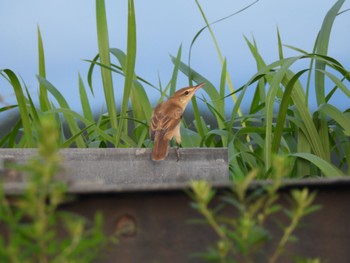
<point x="279" y="119"/>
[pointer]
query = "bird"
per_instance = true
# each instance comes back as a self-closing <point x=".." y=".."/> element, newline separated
<point x="166" y="120"/>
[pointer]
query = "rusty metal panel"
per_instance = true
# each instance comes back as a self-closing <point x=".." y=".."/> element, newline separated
<point x="117" y="170"/>
<point x="164" y="234"/>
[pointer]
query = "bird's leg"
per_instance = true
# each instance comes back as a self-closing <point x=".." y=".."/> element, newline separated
<point x="177" y="152"/>
<point x="178" y="143"/>
<point x="176" y="146"/>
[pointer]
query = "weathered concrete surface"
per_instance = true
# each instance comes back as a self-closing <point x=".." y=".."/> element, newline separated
<point x="105" y="170"/>
<point x="163" y="232"/>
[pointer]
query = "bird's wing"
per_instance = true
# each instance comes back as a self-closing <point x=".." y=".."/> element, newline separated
<point x="165" y="120"/>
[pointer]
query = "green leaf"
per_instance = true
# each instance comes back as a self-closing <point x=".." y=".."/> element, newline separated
<point x="175" y="71"/>
<point x="72" y="124"/>
<point x="322" y="49"/>
<point x="328" y="169"/>
<point x="338" y="116"/>
<point x="280" y="121"/>
<point x="73" y="115"/>
<point x="128" y="71"/>
<point x="85" y="104"/>
<point x="22" y="105"/>
<point x="43" y="98"/>
<point x="103" y="47"/>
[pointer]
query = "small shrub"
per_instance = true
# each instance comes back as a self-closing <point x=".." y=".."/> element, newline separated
<point x="32" y="221"/>
<point x="243" y="238"/>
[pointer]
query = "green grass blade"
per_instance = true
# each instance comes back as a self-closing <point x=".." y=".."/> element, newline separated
<point x="85" y="104"/>
<point x="141" y="107"/>
<point x="327" y="169"/>
<point x="103" y="47"/>
<point x="322" y="49"/>
<point x="43" y="98"/>
<point x="282" y="113"/>
<point x="279" y="44"/>
<point x="22" y="105"/>
<point x="218" y="51"/>
<point x="339" y="117"/>
<point x="9" y="140"/>
<point x="92" y="62"/>
<point x="260" y="93"/>
<point x="73" y="115"/>
<point x="72" y="124"/>
<point x="303" y="146"/>
<point x="311" y="132"/>
<point x="175" y="71"/>
<point x="223" y="79"/>
<point x="34" y="113"/>
<point x="197" y="116"/>
<point x="338" y="83"/>
<point x="9" y="107"/>
<point x="129" y="71"/>
<point x="270" y="102"/>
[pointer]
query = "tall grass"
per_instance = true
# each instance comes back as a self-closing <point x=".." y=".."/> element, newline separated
<point x="294" y="120"/>
<point x="279" y="119"/>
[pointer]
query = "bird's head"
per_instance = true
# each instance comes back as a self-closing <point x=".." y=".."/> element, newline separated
<point x="184" y="95"/>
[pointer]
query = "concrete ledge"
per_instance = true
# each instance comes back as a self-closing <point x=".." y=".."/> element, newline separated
<point x="120" y="170"/>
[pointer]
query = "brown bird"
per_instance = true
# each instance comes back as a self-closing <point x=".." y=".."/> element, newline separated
<point x="166" y="119"/>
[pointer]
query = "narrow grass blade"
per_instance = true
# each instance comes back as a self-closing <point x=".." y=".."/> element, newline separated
<point x="322" y="49"/>
<point x="129" y="70"/>
<point x="336" y="115"/>
<point x="327" y="169"/>
<point x="103" y="47"/>
<point x="175" y="71"/>
<point x="279" y="44"/>
<point x="70" y="141"/>
<point x="92" y="62"/>
<point x="340" y="85"/>
<point x="141" y="107"/>
<point x="270" y="102"/>
<point x="282" y="113"/>
<point x="208" y="26"/>
<point x="73" y="115"/>
<point x="303" y="146"/>
<point x="310" y="131"/>
<point x="43" y="98"/>
<point x="113" y="68"/>
<point x="22" y="105"/>
<point x="9" y="140"/>
<point x="73" y="126"/>
<point x="8" y="108"/>
<point x="84" y="100"/>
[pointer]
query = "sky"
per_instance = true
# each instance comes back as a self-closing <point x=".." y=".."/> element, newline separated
<point x="68" y="30"/>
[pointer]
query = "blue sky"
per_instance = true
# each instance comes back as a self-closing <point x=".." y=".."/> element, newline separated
<point x="69" y="34"/>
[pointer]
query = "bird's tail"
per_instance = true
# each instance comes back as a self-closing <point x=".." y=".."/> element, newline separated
<point x="160" y="149"/>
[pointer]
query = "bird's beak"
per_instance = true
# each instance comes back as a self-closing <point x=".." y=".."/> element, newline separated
<point x="198" y="86"/>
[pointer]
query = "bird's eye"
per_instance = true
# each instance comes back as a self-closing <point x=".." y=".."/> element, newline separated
<point x="186" y="92"/>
